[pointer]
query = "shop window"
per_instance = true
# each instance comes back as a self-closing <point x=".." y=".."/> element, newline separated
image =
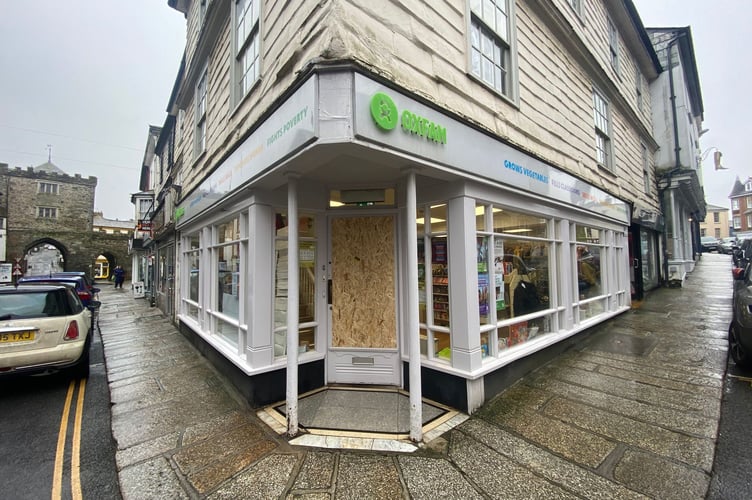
<point x="306" y="284"/>
<point x="192" y="257"/>
<point x="227" y="259"/>
<point x="520" y="249"/>
<point x="589" y="249"/>
<point x="433" y="253"/>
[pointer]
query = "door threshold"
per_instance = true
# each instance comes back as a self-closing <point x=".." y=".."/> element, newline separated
<point x="361" y="417"/>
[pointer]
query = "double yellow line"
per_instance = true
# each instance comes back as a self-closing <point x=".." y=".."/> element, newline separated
<point x="57" y="478"/>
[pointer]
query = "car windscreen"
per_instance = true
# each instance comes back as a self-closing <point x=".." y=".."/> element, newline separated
<point x="33" y="305"/>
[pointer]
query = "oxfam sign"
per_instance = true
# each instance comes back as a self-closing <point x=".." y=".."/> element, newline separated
<point x="386" y="116"/>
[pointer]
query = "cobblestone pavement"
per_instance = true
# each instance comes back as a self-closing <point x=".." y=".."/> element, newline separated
<point x="631" y="412"/>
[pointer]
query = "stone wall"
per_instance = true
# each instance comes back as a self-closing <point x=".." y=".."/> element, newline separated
<point x="70" y="230"/>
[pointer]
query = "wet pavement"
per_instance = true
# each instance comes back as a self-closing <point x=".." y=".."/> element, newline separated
<point x="631" y="412"/>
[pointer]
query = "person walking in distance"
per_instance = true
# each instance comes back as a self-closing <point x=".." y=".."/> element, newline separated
<point x="119" y="276"/>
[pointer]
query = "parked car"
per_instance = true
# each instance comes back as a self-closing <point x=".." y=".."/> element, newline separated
<point x="87" y="279"/>
<point x="44" y="328"/>
<point x="743" y="253"/>
<point x="729" y="244"/>
<point x="710" y="244"/>
<point x="77" y="282"/>
<point x="740" y="330"/>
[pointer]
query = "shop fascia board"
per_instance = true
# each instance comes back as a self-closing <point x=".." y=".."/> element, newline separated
<point x="425" y="135"/>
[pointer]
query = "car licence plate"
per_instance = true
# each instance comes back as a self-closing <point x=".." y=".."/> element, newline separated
<point x="9" y="337"/>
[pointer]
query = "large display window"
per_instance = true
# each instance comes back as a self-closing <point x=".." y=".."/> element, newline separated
<point x="518" y="247"/>
<point x="306" y="285"/>
<point x="214" y="261"/>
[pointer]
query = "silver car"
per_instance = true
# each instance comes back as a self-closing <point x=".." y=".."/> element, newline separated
<point x="44" y="328"/>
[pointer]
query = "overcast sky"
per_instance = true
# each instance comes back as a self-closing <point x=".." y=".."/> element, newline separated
<point x="89" y="76"/>
<point x="720" y="32"/>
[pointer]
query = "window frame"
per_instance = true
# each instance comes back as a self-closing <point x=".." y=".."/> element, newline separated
<point x="200" y="119"/>
<point x="508" y="52"/>
<point x="645" y="168"/>
<point x="613" y="44"/>
<point x="42" y="188"/>
<point x="47" y="213"/>
<point x="638" y="91"/>
<point x="604" y="153"/>
<point x="240" y="48"/>
<point x="576" y="6"/>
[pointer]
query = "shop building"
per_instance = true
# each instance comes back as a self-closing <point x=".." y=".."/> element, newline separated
<point x="458" y="185"/>
<point x="677" y="122"/>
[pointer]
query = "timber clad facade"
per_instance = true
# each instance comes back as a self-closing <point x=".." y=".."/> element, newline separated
<point x="465" y="183"/>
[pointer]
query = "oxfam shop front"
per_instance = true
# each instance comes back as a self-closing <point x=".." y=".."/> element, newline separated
<point x="428" y="255"/>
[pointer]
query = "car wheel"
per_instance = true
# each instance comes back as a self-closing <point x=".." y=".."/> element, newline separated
<point x="740" y="356"/>
<point x="81" y="369"/>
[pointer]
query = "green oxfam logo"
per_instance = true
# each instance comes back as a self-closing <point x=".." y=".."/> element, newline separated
<point x="384" y="111"/>
<point x="386" y="116"/>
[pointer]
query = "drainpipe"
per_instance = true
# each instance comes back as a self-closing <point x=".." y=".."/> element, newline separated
<point x="677" y="148"/>
<point x="677" y="159"/>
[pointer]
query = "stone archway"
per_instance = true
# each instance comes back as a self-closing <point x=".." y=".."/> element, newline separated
<point x="104" y="265"/>
<point x="44" y="257"/>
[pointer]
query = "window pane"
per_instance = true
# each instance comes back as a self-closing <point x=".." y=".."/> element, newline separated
<point x="511" y="222"/>
<point x="484" y="296"/>
<point x="228" y="272"/>
<point x="228" y="331"/>
<point x="228" y="231"/>
<point x="440" y="281"/>
<point x="588" y="252"/>
<point x="438" y="221"/>
<point x="194" y="276"/>
<point x="306" y="225"/>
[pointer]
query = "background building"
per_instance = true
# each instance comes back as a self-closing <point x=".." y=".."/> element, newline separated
<point x="716" y="222"/>
<point x="741" y="208"/>
<point x="50" y="221"/>
<point x="677" y="122"/>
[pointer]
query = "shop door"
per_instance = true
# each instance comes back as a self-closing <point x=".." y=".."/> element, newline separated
<point x="362" y="305"/>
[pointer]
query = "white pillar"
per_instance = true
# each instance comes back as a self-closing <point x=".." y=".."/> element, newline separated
<point x="413" y="319"/>
<point x="292" y="305"/>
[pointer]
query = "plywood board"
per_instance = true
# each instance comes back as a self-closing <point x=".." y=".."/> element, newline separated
<point x="363" y="282"/>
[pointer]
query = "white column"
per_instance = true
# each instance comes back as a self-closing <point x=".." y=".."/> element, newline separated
<point x="413" y="319"/>
<point x="292" y="305"/>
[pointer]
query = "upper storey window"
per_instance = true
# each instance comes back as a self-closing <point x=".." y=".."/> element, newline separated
<point x="577" y="6"/>
<point x="491" y="29"/>
<point x="49" y="188"/>
<point x="602" y="131"/>
<point x="613" y="45"/>
<point x="246" y="42"/>
<point x="201" y="89"/>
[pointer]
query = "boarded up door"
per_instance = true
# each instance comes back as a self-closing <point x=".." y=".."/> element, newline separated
<point x="363" y="315"/>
